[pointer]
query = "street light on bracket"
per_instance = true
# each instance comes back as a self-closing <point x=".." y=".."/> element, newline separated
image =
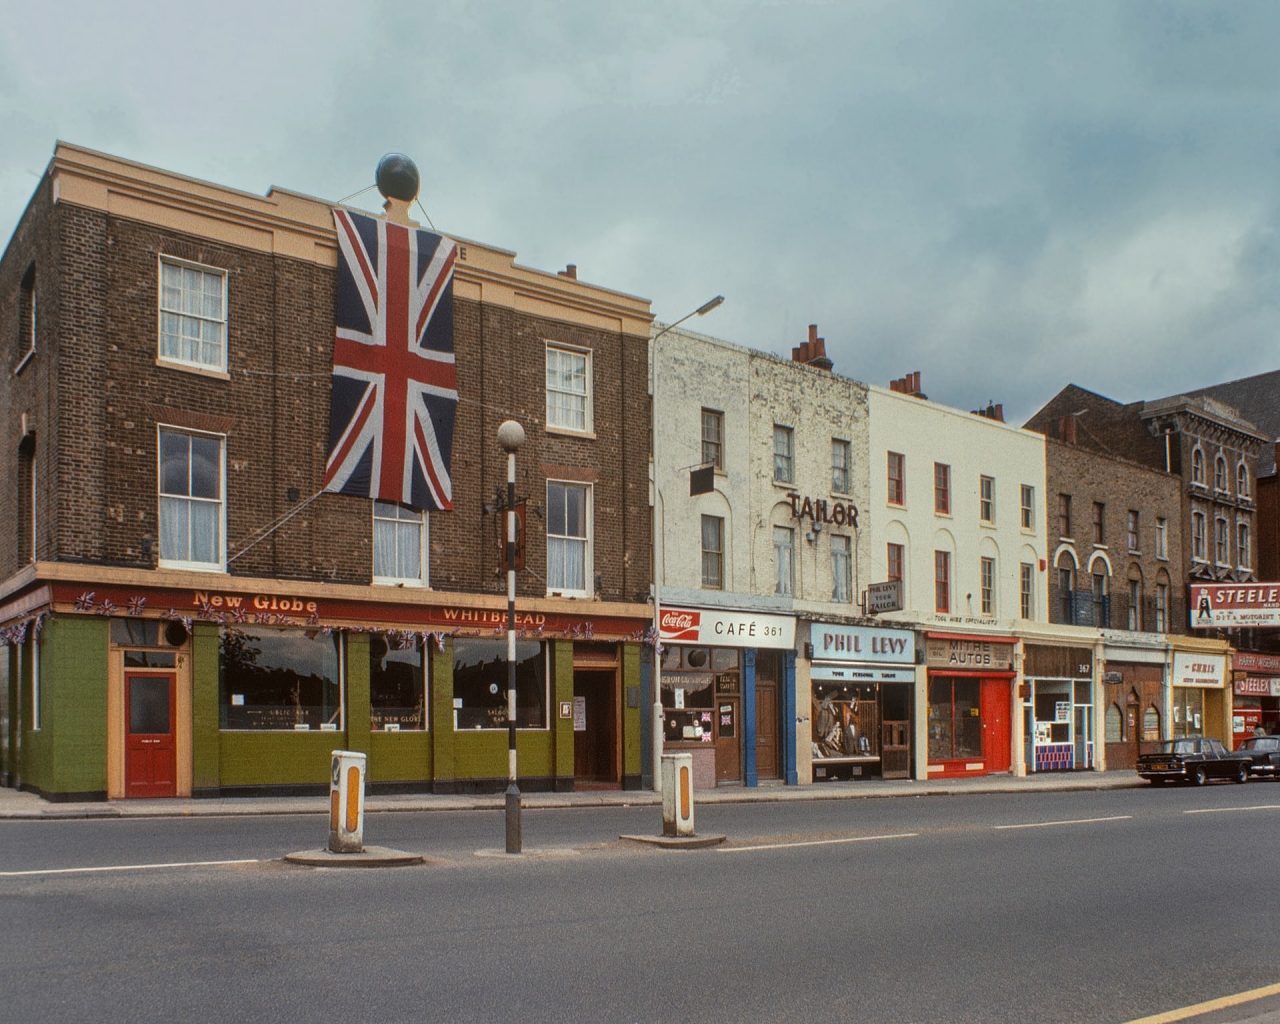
<point x="656" y="740"/>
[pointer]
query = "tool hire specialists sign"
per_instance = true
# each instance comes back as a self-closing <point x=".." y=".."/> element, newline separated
<point x="715" y="628"/>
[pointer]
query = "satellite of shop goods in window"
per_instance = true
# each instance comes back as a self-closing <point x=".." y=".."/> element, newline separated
<point x="260" y="496"/>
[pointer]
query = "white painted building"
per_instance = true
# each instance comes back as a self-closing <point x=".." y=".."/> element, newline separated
<point x="956" y="511"/>
<point x="777" y="450"/>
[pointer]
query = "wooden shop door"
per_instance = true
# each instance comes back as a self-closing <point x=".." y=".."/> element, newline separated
<point x="996" y="737"/>
<point x="728" y="744"/>
<point x="150" y="755"/>
<point x="766" y="730"/>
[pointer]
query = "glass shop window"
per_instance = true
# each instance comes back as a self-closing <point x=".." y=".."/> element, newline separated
<point x="955" y="719"/>
<point x="480" y="684"/>
<point x="397" y="683"/>
<point x="280" y="679"/>
<point x="692" y="678"/>
<point x="846" y="721"/>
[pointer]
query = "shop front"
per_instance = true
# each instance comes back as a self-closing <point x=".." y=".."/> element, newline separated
<point x="863" y="680"/>
<point x="1058" y="708"/>
<point x="1255" y="688"/>
<point x="1133" y="693"/>
<point x="172" y="692"/>
<point x="1200" y="699"/>
<point x="970" y="700"/>
<point x="727" y="683"/>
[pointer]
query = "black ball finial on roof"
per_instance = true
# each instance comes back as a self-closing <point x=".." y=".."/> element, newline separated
<point x="397" y="177"/>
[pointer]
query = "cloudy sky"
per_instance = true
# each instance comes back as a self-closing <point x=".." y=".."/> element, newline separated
<point x="1008" y="197"/>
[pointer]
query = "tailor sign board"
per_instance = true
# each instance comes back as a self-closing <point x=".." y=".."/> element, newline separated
<point x="1229" y="605"/>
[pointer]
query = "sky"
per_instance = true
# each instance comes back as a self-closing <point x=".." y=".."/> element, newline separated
<point x="1008" y="197"/>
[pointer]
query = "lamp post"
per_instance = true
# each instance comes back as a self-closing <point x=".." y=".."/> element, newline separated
<point x="656" y="740"/>
<point x="511" y="437"/>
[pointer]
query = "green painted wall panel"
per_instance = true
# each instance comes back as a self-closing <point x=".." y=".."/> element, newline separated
<point x="73" y="669"/>
<point x="562" y="689"/>
<point x="631" y="717"/>
<point x="277" y="758"/>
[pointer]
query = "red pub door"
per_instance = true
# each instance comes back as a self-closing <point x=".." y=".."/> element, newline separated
<point x="996" y="738"/>
<point x="150" y="767"/>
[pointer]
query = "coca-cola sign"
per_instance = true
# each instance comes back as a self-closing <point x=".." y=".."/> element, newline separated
<point x="712" y="627"/>
<point x="679" y="626"/>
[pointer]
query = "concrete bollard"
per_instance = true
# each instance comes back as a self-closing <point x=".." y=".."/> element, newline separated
<point x="346" y="801"/>
<point x="677" y="794"/>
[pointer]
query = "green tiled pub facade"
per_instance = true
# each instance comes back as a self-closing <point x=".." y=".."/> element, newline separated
<point x="81" y="693"/>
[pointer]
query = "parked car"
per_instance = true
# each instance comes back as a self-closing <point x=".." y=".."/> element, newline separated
<point x="1264" y="755"/>
<point x="1194" y="759"/>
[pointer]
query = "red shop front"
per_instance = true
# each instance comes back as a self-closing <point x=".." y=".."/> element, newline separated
<point x="1255" y="695"/>
<point x="970" y="704"/>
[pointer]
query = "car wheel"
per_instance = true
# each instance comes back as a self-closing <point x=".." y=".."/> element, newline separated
<point x="1199" y="776"/>
<point x="1242" y="773"/>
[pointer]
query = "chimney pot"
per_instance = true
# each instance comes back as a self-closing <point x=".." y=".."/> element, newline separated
<point x="813" y="332"/>
<point x="570" y="271"/>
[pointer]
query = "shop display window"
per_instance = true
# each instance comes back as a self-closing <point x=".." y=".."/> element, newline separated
<point x="397" y="684"/>
<point x="280" y="679"/>
<point x="955" y="719"/>
<point x="846" y="721"/>
<point x="480" y="684"/>
<point x="692" y="677"/>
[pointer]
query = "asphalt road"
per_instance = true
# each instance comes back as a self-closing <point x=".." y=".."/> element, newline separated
<point x="1079" y="907"/>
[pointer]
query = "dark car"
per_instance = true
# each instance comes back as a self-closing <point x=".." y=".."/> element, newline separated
<point x="1264" y="755"/>
<point x="1194" y="759"/>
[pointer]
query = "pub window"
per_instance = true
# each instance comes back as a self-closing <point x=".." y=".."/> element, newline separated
<point x="568" y="538"/>
<point x="399" y="544"/>
<point x="280" y="679"/>
<point x="191" y="499"/>
<point x="569" y="389"/>
<point x="480" y="684"/>
<point x="397" y="683"/>
<point x="193" y="315"/>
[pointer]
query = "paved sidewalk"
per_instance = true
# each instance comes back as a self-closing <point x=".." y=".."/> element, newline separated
<point x="27" y="806"/>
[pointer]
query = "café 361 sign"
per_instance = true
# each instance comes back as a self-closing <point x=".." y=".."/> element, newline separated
<point x="819" y="510"/>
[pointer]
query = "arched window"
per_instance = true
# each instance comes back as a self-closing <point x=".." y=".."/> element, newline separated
<point x="1151" y="724"/>
<point x="1219" y="473"/>
<point x="1197" y="466"/>
<point x="1115" y="724"/>
<point x="1242" y="481"/>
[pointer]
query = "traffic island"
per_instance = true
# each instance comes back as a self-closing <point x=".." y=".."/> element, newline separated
<point x="677" y="842"/>
<point x="369" y="857"/>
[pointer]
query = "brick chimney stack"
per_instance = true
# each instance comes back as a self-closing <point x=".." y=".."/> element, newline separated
<point x="570" y="271"/>
<point x="812" y="352"/>
<point x="908" y="385"/>
<point x="991" y="412"/>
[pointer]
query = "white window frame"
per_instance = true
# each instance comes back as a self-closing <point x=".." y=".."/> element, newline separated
<point x="841" y="568"/>
<point x="784" y="561"/>
<point x="1027" y="589"/>
<point x="784" y="462"/>
<point x="221" y="321"/>
<point x="402" y="521"/>
<point x="1028" y="507"/>
<point x="1242" y="481"/>
<point x="220" y="565"/>
<point x="1197" y="465"/>
<point x="588" y="571"/>
<point x="1243" y="545"/>
<point x="1220" y="481"/>
<point x="987" y="500"/>
<point x="1162" y="608"/>
<point x="841" y="459"/>
<point x="716" y="417"/>
<point x="1221" y="540"/>
<point x="1135" y="604"/>
<point x="554" y="409"/>
<point x="1133" y="523"/>
<point x="1199" y="537"/>
<point x="716" y="555"/>
<point x="987" y="585"/>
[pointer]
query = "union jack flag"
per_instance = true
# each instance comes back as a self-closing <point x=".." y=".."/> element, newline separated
<point x="394" y="395"/>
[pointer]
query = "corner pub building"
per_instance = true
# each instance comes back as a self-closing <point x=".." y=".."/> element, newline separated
<point x="184" y="611"/>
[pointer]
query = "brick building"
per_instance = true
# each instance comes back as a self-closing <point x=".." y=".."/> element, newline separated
<point x="186" y="612"/>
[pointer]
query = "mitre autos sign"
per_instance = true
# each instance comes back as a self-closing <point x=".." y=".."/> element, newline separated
<point x="1218" y="605"/>
<point x="716" y="628"/>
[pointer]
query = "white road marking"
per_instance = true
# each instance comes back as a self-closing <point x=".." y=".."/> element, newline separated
<point x="127" y="867"/>
<point x="1074" y="821"/>
<point x="1225" y="810"/>
<point x="815" y="842"/>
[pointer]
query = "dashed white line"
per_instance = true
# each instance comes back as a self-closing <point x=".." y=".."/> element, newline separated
<point x="1226" y="810"/>
<point x="127" y="867"/>
<point x="1073" y="821"/>
<point x="815" y="842"/>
